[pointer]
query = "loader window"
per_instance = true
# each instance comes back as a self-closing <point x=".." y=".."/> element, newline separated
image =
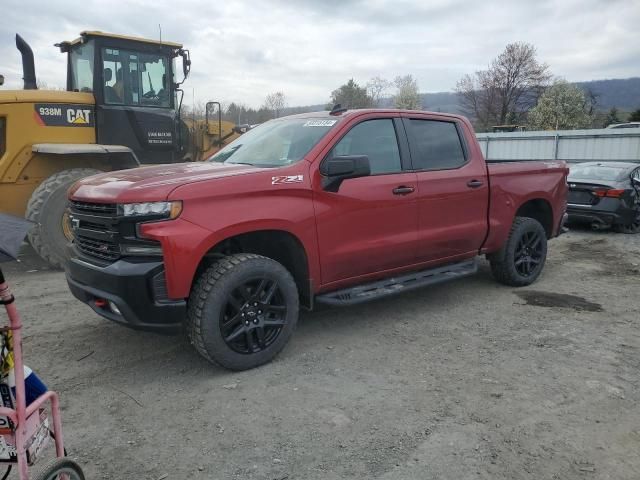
<point x="132" y="78"/>
<point x="81" y="58"/>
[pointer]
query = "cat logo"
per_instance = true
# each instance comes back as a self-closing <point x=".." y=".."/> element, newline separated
<point x="79" y="116"/>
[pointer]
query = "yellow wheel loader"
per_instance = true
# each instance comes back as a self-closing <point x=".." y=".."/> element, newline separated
<point x="121" y="110"/>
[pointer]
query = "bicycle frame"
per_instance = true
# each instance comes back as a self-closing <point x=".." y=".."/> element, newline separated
<point x="25" y="419"/>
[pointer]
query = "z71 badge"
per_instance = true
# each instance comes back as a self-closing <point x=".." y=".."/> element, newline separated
<point x="61" y="115"/>
<point x="282" y="179"/>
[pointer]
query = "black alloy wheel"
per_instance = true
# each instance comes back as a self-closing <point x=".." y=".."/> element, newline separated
<point x="242" y="311"/>
<point x="521" y="259"/>
<point x="529" y="253"/>
<point x="253" y="316"/>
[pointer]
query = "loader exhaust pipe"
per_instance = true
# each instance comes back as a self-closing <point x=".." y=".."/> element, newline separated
<point x="28" y="64"/>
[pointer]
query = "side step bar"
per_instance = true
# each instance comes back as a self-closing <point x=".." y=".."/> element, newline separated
<point x="391" y="286"/>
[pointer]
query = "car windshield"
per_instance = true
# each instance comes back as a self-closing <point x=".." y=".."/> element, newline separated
<point x="275" y="143"/>
<point x="598" y="172"/>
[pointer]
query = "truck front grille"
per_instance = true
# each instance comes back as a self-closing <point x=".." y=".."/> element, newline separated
<point x="95" y="229"/>
<point x="109" y="209"/>
<point x="104" y="250"/>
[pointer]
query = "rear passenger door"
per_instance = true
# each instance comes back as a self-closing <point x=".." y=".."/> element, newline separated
<point x="370" y="224"/>
<point x="453" y="189"/>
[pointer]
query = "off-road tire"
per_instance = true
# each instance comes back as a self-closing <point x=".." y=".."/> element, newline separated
<point x="503" y="262"/>
<point x="46" y="208"/>
<point x="210" y="295"/>
<point x="54" y="468"/>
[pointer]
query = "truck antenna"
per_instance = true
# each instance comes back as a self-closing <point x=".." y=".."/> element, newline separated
<point x="160" y="29"/>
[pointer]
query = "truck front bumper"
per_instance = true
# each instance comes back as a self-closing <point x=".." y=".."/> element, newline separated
<point x="129" y="293"/>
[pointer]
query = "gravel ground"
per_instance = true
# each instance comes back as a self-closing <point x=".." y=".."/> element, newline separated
<point x="467" y="380"/>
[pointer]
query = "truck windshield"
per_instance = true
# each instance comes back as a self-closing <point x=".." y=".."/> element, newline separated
<point x="275" y="143"/>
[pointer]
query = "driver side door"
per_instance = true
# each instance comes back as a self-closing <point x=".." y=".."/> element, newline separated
<point x="369" y="226"/>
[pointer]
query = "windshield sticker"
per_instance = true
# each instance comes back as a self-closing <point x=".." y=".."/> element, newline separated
<point x="282" y="179"/>
<point x="319" y="123"/>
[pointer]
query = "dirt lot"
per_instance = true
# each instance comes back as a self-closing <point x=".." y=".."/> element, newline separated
<point x="468" y="380"/>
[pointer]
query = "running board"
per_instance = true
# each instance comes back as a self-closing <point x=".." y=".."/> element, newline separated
<point x="391" y="286"/>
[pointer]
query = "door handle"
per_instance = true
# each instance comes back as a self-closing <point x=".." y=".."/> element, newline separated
<point x="402" y="190"/>
<point x="475" y="183"/>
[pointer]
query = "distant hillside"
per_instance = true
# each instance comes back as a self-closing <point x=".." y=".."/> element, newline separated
<point x="622" y="93"/>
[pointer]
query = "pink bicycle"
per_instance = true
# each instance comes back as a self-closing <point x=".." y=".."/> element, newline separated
<point x="24" y="423"/>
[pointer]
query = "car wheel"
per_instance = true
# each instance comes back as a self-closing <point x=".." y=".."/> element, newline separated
<point x="521" y="259"/>
<point x="633" y="227"/>
<point x="242" y="311"/>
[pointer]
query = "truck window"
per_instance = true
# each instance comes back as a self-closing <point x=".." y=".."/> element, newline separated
<point x="376" y="139"/>
<point x="275" y="143"/>
<point x="435" y="145"/>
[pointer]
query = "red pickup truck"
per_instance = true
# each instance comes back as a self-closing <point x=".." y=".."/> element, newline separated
<point x="334" y="207"/>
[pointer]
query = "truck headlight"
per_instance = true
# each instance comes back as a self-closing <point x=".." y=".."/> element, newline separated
<point x="151" y="209"/>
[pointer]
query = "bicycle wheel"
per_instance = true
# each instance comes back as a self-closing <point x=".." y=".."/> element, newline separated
<point x="59" y="469"/>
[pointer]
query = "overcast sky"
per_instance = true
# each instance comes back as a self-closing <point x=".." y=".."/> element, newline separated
<point x="243" y="50"/>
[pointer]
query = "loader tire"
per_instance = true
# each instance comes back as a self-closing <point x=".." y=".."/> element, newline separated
<point x="47" y="209"/>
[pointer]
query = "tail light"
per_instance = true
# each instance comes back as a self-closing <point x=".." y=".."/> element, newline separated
<point x="613" y="193"/>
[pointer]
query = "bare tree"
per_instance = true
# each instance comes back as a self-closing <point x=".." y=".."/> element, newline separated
<point x="509" y="87"/>
<point x="377" y="88"/>
<point x="276" y="102"/>
<point x="407" y="97"/>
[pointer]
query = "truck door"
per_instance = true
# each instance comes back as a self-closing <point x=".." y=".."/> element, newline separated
<point x="370" y="224"/>
<point x="453" y="189"/>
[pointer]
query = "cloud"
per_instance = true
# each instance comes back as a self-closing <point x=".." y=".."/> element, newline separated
<point x="243" y="50"/>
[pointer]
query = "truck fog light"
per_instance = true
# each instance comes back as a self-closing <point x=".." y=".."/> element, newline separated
<point x="114" y="308"/>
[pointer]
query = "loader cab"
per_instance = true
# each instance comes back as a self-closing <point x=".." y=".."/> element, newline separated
<point x="134" y="83"/>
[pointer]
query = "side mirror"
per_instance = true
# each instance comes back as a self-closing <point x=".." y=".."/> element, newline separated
<point x="186" y="65"/>
<point x="337" y="169"/>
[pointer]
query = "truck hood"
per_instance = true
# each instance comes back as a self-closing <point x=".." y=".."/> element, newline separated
<point x="153" y="183"/>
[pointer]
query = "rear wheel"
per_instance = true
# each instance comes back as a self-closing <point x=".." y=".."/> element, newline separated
<point x="47" y="208"/>
<point x="242" y="311"/>
<point x="633" y="227"/>
<point x="59" y="469"/>
<point x="521" y="260"/>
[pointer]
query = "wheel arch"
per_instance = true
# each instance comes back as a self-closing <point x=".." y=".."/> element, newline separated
<point x="539" y="209"/>
<point x="280" y="245"/>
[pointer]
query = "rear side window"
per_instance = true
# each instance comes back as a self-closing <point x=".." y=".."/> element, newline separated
<point x="435" y="145"/>
<point x="375" y="139"/>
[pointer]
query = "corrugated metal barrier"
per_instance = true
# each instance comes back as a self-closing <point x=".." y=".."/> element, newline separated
<point x="570" y="145"/>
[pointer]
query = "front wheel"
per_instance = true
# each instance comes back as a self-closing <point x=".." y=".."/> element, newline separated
<point x="242" y="311"/>
<point x="521" y="259"/>
<point x="59" y="469"/>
